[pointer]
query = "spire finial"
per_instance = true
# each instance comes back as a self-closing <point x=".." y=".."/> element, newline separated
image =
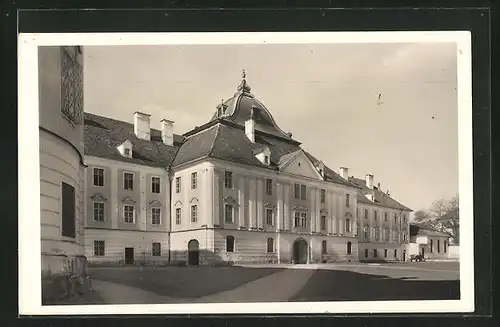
<point x="244" y="87"/>
<point x="243" y="73"/>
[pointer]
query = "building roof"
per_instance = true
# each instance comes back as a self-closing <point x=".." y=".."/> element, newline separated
<point x="102" y="135"/>
<point x="423" y="230"/>
<point x="380" y="198"/>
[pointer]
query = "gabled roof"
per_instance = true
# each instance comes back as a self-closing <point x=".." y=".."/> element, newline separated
<point x="102" y="135"/>
<point x="380" y="198"/>
<point x="423" y="230"/>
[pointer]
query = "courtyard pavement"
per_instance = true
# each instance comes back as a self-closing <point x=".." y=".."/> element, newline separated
<point x="274" y="283"/>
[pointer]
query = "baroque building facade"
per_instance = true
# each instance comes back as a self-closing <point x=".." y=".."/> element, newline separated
<point x="236" y="189"/>
<point x="62" y="168"/>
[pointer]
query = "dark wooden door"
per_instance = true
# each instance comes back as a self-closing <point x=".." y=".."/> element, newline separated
<point x="129" y="256"/>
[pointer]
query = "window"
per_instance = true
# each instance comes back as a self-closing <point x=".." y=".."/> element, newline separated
<point x="156" y="249"/>
<point x="98" y="248"/>
<point x="366" y="233"/>
<point x="366" y="213"/>
<point x="395" y="253"/>
<point x="98" y="211"/>
<point x="357" y="213"/>
<point x="155" y="216"/>
<point x="228" y="213"/>
<point x="303" y="192"/>
<point x="303" y="219"/>
<point x="68" y="211"/>
<point x="297" y="191"/>
<point x="269" y="186"/>
<point x="178" y="216"/>
<point x="377" y="233"/>
<point x="323" y="247"/>
<point x="194" y="180"/>
<point x="266" y="160"/>
<point x="270" y="245"/>
<point x="431" y="246"/>
<point x="323" y="196"/>
<point x="228" y="179"/>
<point x="438" y="247"/>
<point x="375" y="215"/>
<point x="155" y="184"/>
<point x="375" y="254"/>
<point x="347" y="200"/>
<point x="98" y="177"/>
<point x="323" y="222"/>
<point x="385" y="216"/>
<point x="300" y="191"/>
<point x="194" y="213"/>
<point x="395" y="218"/>
<point x="386" y="236"/>
<point x="128" y="181"/>
<point x="366" y="253"/>
<point x="177" y="185"/>
<point x="349" y="248"/>
<point x="296" y="220"/>
<point x="128" y="214"/>
<point x="269" y="217"/>
<point x="348" y="225"/>
<point x="230" y="244"/>
<point x="127" y="152"/>
<point x="444" y="246"/>
<point x="385" y="253"/>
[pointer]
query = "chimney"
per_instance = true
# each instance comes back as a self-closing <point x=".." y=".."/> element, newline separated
<point x="369" y="181"/>
<point x="142" y="127"/>
<point x="250" y="125"/>
<point x="388" y="193"/>
<point x="167" y="132"/>
<point x="378" y="186"/>
<point x="344" y="173"/>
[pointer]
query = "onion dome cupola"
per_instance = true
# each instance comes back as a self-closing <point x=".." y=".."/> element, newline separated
<point x="243" y="106"/>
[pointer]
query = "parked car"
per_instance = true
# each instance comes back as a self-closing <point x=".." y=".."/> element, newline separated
<point x="417" y="258"/>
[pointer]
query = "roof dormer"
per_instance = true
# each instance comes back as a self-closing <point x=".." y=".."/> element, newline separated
<point x="264" y="155"/>
<point x="125" y="149"/>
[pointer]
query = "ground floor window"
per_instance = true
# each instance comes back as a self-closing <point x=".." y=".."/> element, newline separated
<point x="156" y="249"/>
<point x="230" y="244"/>
<point x="323" y="222"/>
<point x="323" y="247"/>
<point x="395" y="253"/>
<point x="375" y="253"/>
<point x="270" y="245"/>
<point x="177" y="216"/>
<point x="98" y="248"/>
<point x="385" y="253"/>
<point x="438" y="247"/>
<point x="366" y="253"/>
<point x="444" y="246"/>
<point x="228" y="213"/>
<point x="349" y="247"/>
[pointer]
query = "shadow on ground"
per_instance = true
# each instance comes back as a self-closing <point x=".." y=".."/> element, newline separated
<point x="335" y="285"/>
<point x="182" y="282"/>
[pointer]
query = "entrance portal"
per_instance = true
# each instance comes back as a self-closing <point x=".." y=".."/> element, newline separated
<point x="300" y="251"/>
<point x="129" y="256"/>
<point x="193" y="253"/>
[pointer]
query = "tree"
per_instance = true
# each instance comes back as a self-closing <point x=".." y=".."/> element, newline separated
<point x="442" y="216"/>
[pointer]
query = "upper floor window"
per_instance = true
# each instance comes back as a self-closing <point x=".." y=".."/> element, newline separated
<point x="228" y="179"/>
<point x="366" y="213"/>
<point x="375" y="214"/>
<point x="348" y="225"/>
<point x="322" y="196"/>
<point x="126" y="151"/>
<point x="366" y="232"/>
<point x="357" y="213"/>
<point x="296" y="219"/>
<point x="385" y="216"/>
<point x="128" y="213"/>
<point x="128" y="181"/>
<point x="269" y="186"/>
<point x="68" y="211"/>
<point x="98" y="211"/>
<point x="266" y="160"/>
<point x="98" y="177"/>
<point x="395" y="218"/>
<point x="300" y="191"/>
<point x="303" y="219"/>
<point x="323" y="223"/>
<point x="228" y="213"/>
<point x="177" y="185"/>
<point x="194" y="180"/>
<point x="303" y="192"/>
<point x="177" y="216"/>
<point x="156" y="216"/>
<point x="348" y="200"/>
<point x="155" y="184"/>
<point x="269" y="217"/>
<point x="270" y="245"/>
<point x="194" y="213"/>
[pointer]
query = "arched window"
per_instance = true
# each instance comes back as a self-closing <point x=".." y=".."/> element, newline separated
<point x="323" y="247"/>
<point x="349" y="247"/>
<point x="230" y="244"/>
<point x="270" y="245"/>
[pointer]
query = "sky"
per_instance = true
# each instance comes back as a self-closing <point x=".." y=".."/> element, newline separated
<point x="384" y="109"/>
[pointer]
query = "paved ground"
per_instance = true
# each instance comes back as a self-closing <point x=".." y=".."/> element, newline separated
<point x="270" y="283"/>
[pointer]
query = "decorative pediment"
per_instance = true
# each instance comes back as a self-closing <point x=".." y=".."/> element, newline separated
<point x="155" y="203"/>
<point x="269" y="205"/>
<point x="348" y="215"/>
<point x="300" y="208"/>
<point x="194" y="200"/>
<point x="128" y="200"/>
<point x="323" y="212"/>
<point x="230" y="200"/>
<point x="178" y="203"/>
<point x="299" y="164"/>
<point x="98" y="197"/>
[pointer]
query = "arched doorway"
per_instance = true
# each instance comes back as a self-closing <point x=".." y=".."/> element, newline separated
<point x="300" y="251"/>
<point x="193" y="253"/>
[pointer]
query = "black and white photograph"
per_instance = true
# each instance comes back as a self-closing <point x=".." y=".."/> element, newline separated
<point x="245" y="173"/>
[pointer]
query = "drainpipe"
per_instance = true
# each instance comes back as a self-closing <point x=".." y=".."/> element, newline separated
<point x="169" y="175"/>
